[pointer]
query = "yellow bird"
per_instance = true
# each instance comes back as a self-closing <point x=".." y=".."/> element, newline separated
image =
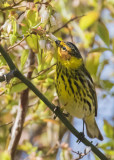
<point x="75" y="87"/>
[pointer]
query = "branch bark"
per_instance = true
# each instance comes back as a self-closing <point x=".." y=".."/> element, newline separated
<point x="21" y="114"/>
<point x="52" y="107"/>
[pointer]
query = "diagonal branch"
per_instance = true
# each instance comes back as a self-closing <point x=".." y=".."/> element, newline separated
<point x="11" y="47"/>
<point x="65" y="25"/>
<point x="52" y="107"/>
<point x="11" y="6"/>
<point x="6" y="124"/>
<point x="7" y="58"/>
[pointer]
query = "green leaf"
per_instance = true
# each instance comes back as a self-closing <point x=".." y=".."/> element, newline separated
<point x="14" y="26"/>
<point x="24" y="57"/>
<point x="107" y="85"/>
<point x="33" y="42"/>
<point x="108" y="129"/>
<point x="18" y="87"/>
<point x="32" y="17"/>
<point x="25" y="27"/>
<point x="100" y="49"/>
<point x="2" y="61"/>
<point x="103" y="33"/>
<point x="28" y="147"/>
<point x="88" y="19"/>
<point x="107" y="144"/>
<point x="108" y="148"/>
<point x="12" y="38"/>
<point x="92" y="63"/>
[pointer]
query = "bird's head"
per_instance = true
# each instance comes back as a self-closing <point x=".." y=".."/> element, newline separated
<point x="68" y="54"/>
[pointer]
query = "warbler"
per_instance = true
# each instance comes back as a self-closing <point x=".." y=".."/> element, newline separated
<point x="75" y="87"/>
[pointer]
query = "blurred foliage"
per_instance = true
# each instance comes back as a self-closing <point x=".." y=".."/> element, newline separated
<point x="32" y="25"/>
<point x="108" y="147"/>
<point x="4" y="155"/>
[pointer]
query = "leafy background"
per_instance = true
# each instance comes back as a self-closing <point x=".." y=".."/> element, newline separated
<point x="27" y="26"/>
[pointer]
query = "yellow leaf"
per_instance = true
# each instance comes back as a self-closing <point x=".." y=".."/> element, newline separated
<point x="103" y="33"/>
<point x="18" y="87"/>
<point x="5" y="156"/>
<point x="92" y="63"/>
<point x="33" y="42"/>
<point x="24" y="57"/>
<point x="108" y="128"/>
<point x="88" y="19"/>
<point x="12" y="38"/>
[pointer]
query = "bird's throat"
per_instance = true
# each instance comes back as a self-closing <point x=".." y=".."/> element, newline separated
<point x="72" y="63"/>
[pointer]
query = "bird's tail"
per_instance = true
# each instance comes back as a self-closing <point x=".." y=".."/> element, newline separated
<point x="92" y="128"/>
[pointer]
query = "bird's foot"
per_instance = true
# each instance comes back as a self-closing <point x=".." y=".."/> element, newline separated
<point x="81" y="137"/>
<point x="55" y="109"/>
<point x="66" y="114"/>
<point x="58" y="108"/>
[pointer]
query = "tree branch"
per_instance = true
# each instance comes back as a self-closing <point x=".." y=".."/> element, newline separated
<point x="6" y="124"/>
<point x="21" y="114"/>
<point x="65" y="25"/>
<point x="43" y="71"/>
<point x="81" y="155"/>
<point x="52" y="107"/>
<point x="11" y="47"/>
<point x="11" y="7"/>
<point x="7" y="58"/>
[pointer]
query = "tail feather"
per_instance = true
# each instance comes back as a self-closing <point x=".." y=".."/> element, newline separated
<point x="92" y="128"/>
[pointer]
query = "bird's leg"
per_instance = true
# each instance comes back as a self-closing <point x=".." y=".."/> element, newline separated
<point x="66" y="114"/>
<point x="83" y="125"/>
<point x="81" y="134"/>
<point x="83" y="128"/>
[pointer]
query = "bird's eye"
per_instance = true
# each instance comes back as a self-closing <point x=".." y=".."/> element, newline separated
<point x="64" y="48"/>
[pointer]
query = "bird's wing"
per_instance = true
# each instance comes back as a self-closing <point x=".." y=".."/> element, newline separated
<point x="91" y="88"/>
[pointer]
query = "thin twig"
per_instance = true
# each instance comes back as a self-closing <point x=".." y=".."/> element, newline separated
<point x="65" y="25"/>
<point x="38" y="74"/>
<point x="10" y="7"/>
<point x="14" y="2"/>
<point x="46" y="3"/>
<point x="1" y="93"/>
<point x="43" y="71"/>
<point x="11" y="47"/>
<point x="80" y="154"/>
<point x="6" y="124"/>
<point x="20" y="14"/>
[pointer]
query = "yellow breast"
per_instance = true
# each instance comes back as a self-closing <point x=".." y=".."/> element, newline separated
<point x="71" y="98"/>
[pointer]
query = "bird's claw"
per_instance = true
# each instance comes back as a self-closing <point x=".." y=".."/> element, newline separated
<point x="66" y="114"/>
<point x="81" y="137"/>
<point x="55" y="109"/>
<point x="58" y="108"/>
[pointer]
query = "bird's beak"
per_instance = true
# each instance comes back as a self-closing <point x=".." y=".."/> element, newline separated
<point x="57" y="43"/>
